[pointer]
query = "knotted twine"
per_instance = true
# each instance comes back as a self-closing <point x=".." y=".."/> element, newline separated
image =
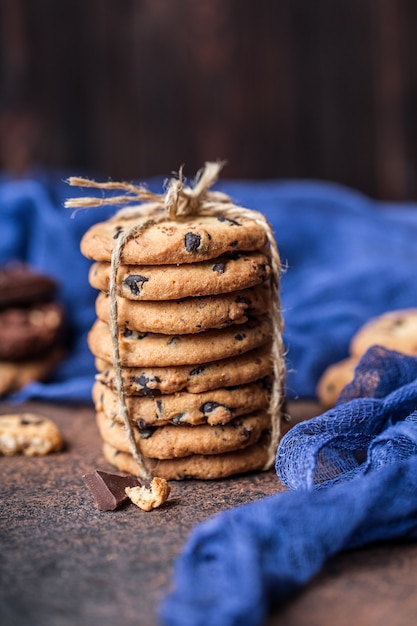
<point x="177" y="202"/>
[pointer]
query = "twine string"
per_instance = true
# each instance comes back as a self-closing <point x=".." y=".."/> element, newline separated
<point x="180" y="201"/>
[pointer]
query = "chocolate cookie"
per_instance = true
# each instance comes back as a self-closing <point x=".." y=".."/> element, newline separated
<point x="28" y="331"/>
<point x="28" y="434"/>
<point x="237" y="370"/>
<point x="20" y="285"/>
<point x="169" y="282"/>
<point x="218" y="406"/>
<point x="203" y="467"/>
<point x="189" y="315"/>
<point x="16" y="374"/>
<point x="167" y="442"/>
<point x="151" y="349"/>
<point x="395" y="330"/>
<point x="188" y="240"/>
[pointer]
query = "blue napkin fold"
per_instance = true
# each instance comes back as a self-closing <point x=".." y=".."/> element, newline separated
<point x="352" y="474"/>
<point x="348" y="258"/>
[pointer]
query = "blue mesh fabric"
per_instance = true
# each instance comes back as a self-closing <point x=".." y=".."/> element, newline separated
<point x="373" y="423"/>
<point x="352" y="478"/>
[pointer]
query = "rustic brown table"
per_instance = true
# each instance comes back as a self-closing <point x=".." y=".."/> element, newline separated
<point x="64" y="563"/>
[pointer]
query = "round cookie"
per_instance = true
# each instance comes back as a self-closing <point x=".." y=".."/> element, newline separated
<point x="168" y="442"/>
<point x="187" y="316"/>
<point x="334" y="379"/>
<point x="237" y="370"/>
<point x="199" y="466"/>
<point x="150" y="349"/>
<point x="28" y="434"/>
<point x="21" y="285"/>
<point x="184" y="240"/>
<point x="395" y="330"/>
<point x="171" y="282"/>
<point x="215" y="407"/>
<point x="26" y="332"/>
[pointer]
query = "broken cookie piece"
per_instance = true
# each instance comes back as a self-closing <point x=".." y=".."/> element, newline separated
<point x="109" y="489"/>
<point x="148" y="498"/>
<point x="28" y="434"/>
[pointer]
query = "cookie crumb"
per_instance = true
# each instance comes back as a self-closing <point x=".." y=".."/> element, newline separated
<point x="152" y="497"/>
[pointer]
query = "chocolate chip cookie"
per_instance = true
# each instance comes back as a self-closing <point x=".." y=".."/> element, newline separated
<point x="151" y="349"/>
<point x="218" y="406"/>
<point x="188" y="315"/>
<point x="186" y="240"/>
<point x="169" y="282"/>
<point x="154" y="381"/>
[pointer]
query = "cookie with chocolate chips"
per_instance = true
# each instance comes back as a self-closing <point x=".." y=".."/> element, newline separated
<point x="154" y="381"/>
<point x="394" y="330"/>
<point x="189" y="315"/>
<point x="218" y="406"/>
<point x="199" y="466"/>
<point x="167" y="442"/>
<point x="152" y="349"/>
<point x="169" y="282"/>
<point x="334" y="379"/>
<point x="188" y="240"/>
<point x="28" y="434"/>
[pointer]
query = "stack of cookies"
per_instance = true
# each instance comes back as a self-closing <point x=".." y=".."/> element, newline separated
<point x="31" y="327"/>
<point x="194" y="332"/>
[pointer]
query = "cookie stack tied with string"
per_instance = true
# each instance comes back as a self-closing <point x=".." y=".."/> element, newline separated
<point x="188" y="336"/>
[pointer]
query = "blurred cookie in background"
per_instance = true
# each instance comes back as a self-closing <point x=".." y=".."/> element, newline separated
<point x="32" y="326"/>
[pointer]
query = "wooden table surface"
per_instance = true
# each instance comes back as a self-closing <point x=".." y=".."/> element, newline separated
<point x="64" y="563"/>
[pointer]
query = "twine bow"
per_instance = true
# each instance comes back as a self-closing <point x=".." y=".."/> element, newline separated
<point x="180" y="201"/>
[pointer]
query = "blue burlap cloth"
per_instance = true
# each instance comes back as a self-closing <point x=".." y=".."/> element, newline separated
<point x="351" y="472"/>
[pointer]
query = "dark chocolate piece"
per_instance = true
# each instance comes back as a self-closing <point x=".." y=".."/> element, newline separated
<point x="219" y="268"/>
<point x="192" y="242"/>
<point x="135" y="283"/>
<point x="109" y="489"/>
<point x="143" y="381"/>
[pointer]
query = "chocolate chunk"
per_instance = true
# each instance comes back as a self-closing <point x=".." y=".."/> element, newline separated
<point x="135" y="283"/>
<point x="233" y="244"/>
<point x="178" y="419"/>
<point x="192" y="242"/>
<point x="127" y="332"/>
<point x="145" y="431"/>
<point x="109" y="489"/>
<point x="219" y="268"/>
<point x="240" y="336"/>
<point x="117" y="232"/>
<point x="223" y="218"/>
<point x="243" y="300"/>
<point x="26" y="422"/>
<point x="143" y="381"/>
<point x="197" y="370"/>
<point x="209" y="407"/>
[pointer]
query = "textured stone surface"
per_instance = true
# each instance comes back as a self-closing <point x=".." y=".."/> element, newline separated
<point x="65" y="563"/>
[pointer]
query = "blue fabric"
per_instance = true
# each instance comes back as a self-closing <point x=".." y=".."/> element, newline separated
<point x="348" y="258"/>
<point x="352" y="472"/>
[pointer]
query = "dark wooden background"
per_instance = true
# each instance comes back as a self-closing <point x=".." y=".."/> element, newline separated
<point x="321" y="89"/>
